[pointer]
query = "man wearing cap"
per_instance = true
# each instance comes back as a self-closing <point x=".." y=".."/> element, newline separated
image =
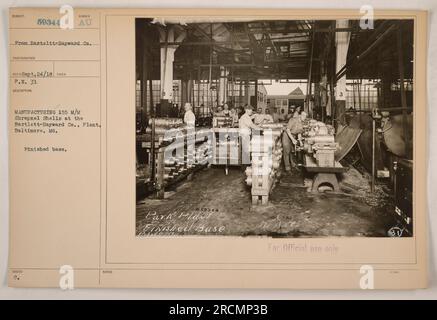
<point x="290" y="139"/>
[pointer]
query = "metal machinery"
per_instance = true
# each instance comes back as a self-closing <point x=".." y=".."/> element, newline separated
<point x="266" y="157"/>
<point x="175" y="154"/>
<point x="403" y="194"/>
<point x="319" y="143"/>
<point x="319" y="149"/>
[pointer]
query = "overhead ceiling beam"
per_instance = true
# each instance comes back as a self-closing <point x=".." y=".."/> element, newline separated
<point x="299" y="31"/>
<point x="361" y="55"/>
<point x="275" y="50"/>
<point x="252" y="40"/>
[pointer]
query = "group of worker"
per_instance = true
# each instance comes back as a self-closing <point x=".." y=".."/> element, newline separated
<point x="291" y="137"/>
<point x="249" y="121"/>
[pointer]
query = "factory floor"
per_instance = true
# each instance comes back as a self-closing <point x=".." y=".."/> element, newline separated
<point x="213" y="203"/>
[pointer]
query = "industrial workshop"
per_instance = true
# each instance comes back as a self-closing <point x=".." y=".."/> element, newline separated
<point x="277" y="128"/>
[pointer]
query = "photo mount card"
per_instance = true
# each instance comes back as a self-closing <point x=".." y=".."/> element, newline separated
<point x="184" y="148"/>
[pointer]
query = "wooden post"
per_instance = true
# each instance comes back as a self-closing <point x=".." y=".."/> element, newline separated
<point x="198" y="88"/>
<point x="372" y="187"/>
<point x="240" y="96"/>
<point x="232" y="89"/>
<point x="342" y="45"/>
<point x="152" y="115"/>
<point x="368" y="97"/>
<point x="144" y="73"/>
<point x="353" y="93"/>
<point x="160" y="173"/>
<point x="307" y="100"/>
<point x="209" y="94"/>
<point x="359" y="102"/>
<point x="184" y="86"/>
<point x="333" y="75"/>
<point x="221" y="90"/>
<point x="256" y="94"/>
<point x="190" y="88"/>
<point x="246" y="92"/>
<point x="408" y="148"/>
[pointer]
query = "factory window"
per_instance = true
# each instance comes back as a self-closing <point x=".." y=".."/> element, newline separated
<point x="408" y="86"/>
<point x="201" y="94"/>
<point x="366" y="93"/>
<point x="156" y="89"/>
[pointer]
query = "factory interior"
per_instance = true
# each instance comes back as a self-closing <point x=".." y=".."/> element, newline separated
<point x="219" y="153"/>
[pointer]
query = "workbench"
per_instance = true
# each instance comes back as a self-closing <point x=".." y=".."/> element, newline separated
<point x="323" y="175"/>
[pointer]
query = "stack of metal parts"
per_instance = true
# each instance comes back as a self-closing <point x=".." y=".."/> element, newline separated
<point x="192" y="156"/>
<point x="266" y="155"/>
<point x="174" y="152"/>
<point x="203" y="153"/>
<point x="165" y="128"/>
<point x="319" y="142"/>
<point x="172" y="168"/>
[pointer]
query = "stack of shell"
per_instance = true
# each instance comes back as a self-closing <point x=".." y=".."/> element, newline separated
<point x="266" y="156"/>
<point x="165" y="128"/>
<point x="185" y="162"/>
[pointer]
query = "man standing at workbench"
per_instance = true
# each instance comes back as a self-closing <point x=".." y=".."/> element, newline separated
<point x="290" y="139"/>
<point x="245" y="122"/>
<point x="246" y="125"/>
<point x="190" y="122"/>
<point x="189" y="117"/>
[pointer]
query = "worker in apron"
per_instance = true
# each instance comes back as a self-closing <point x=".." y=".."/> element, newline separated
<point x="190" y="122"/>
<point x="290" y="140"/>
<point x="246" y="126"/>
<point x="189" y="117"/>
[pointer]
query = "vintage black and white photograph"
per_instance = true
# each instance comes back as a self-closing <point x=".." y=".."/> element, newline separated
<point x="274" y="128"/>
